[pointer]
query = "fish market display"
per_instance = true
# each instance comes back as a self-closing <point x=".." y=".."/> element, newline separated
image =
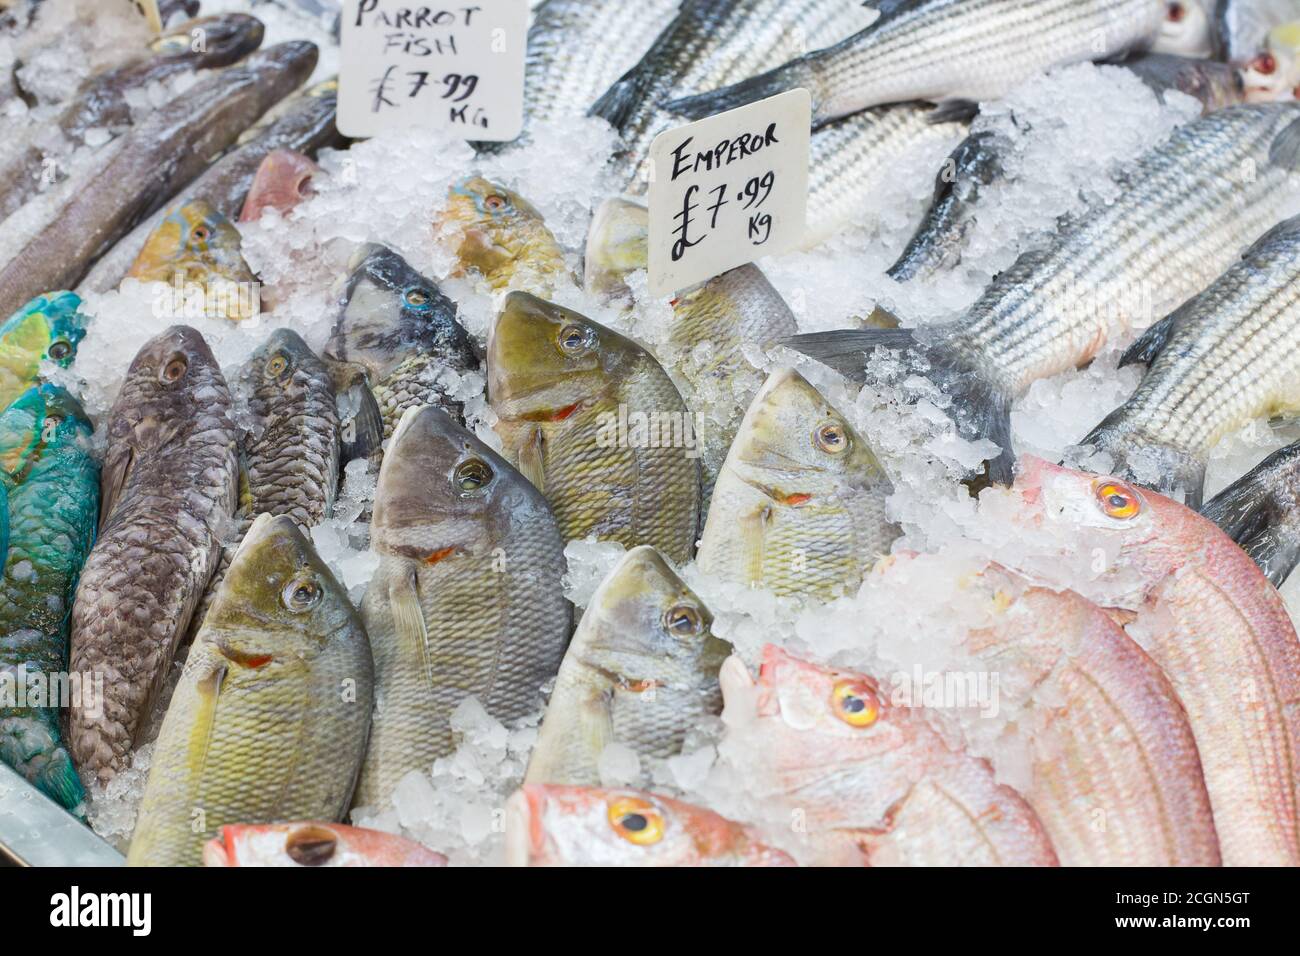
<point x="1223" y="359"/>
<point x="269" y="720"/>
<point x="313" y="844"/>
<point x="51" y="484"/>
<point x="361" y="505"/>
<point x="592" y="420"/>
<point x="641" y="669"/>
<point x="466" y="600"/>
<point x="168" y="490"/>
<point x="581" y="826"/>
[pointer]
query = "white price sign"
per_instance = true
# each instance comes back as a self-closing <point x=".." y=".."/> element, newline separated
<point x="727" y="190"/>
<point x="455" y="67"/>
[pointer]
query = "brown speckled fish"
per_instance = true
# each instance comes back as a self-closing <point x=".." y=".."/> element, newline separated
<point x="168" y="490"/>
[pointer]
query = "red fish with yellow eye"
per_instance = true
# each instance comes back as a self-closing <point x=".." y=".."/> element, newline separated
<point x="551" y="825"/>
<point x="1207" y="615"/>
<point x="872" y="782"/>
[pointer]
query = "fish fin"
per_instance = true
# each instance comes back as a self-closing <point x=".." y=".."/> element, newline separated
<point x="117" y="467"/>
<point x="408" y="620"/>
<point x="532" y="459"/>
<point x="753" y="534"/>
<point x="797" y="73"/>
<point x="880" y="318"/>
<point x="207" y="690"/>
<point x="1150" y="343"/>
<point x="953" y="111"/>
<point x="1285" y="151"/>
<point x="617" y="104"/>
<point x="983" y="406"/>
<point x="361" y="423"/>
<point x="1252" y="514"/>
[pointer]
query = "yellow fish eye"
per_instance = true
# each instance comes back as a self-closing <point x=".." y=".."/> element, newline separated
<point x="832" y="438"/>
<point x="495" y="202"/>
<point x="300" y="594"/>
<point x="277" y="365"/>
<point x="173" y="370"/>
<point x="574" y="339"/>
<point x="855" y="703"/>
<point x="1117" y="499"/>
<point x="417" y="297"/>
<point x="636" y="821"/>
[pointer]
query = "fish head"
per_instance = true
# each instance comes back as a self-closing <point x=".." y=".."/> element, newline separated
<point x="616" y="247"/>
<point x="195" y="242"/>
<point x="1274" y="73"/>
<point x="278" y="603"/>
<point x="1186" y="30"/>
<point x="553" y="825"/>
<point x="38" y="428"/>
<point x="795" y="446"/>
<point x="283" y="369"/>
<point x="313" y="844"/>
<point x="211" y="41"/>
<point x="49" y="328"/>
<point x="496" y="233"/>
<point x="545" y="360"/>
<point x="166" y="380"/>
<point x="283" y="179"/>
<point x="1215" y="85"/>
<point x="390" y="309"/>
<point x="442" y="492"/>
<point x="646" y="628"/>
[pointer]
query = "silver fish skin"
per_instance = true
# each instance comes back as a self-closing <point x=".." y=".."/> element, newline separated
<point x="1261" y="512"/>
<point x="466" y="601"/>
<point x="1229" y="355"/>
<point x="168" y="489"/>
<point x="642" y="669"/>
<point x="708" y="44"/>
<point x="78" y="221"/>
<point x="303" y="123"/>
<point x="1215" y="85"/>
<point x="940" y="50"/>
<point x="1185" y="212"/>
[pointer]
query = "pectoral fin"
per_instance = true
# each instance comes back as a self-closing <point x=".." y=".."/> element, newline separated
<point x="532" y="461"/>
<point x="408" y="620"/>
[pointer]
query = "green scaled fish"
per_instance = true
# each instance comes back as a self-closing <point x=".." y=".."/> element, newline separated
<point x="51" y="481"/>
<point x="48" y="327"/>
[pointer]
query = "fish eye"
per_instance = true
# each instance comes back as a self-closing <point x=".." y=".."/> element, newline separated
<point x="1265" y="63"/>
<point x="174" y="369"/>
<point x="575" y="339"/>
<point x="275" y="368"/>
<point x="1117" y="499"/>
<point x="1176" y="12"/>
<point x="201" y="233"/>
<point x="472" y="476"/>
<point x="60" y="349"/>
<point x="855" y="703"/>
<point x="311" y="846"/>
<point x="683" y="620"/>
<point x="50" y="427"/>
<point x="636" y="821"/>
<point x="832" y="438"/>
<point x="301" y="594"/>
<point x="417" y="297"/>
<point x="495" y="202"/>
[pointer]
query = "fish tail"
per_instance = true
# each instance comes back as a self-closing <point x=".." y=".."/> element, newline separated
<point x="797" y="73"/>
<point x="28" y="746"/>
<point x="1148" y="461"/>
<point x="1253" y="512"/>
<point x="982" y="406"/>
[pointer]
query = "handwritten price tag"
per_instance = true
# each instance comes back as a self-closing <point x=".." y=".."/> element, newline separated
<point x="728" y="189"/>
<point x="458" y="67"/>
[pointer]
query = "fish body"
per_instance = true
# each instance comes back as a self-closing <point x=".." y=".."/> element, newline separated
<point x="587" y="826"/>
<point x="142" y="169"/>
<point x="1261" y="512"/>
<point x="868" y="773"/>
<point x="641" y="670"/>
<point x="304" y="123"/>
<point x="51" y="480"/>
<point x="1184" y="214"/>
<point x="269" y="719"/>
<point x="1227" y="356"/>
<point x="1217" y="628"/>
<point x="313" y="844"/>
<point x="940" y="50"/>
<point x="466" y="600"/>
<point x="560" y="385"/>
<point x="49" y="328"/>
<point x="799" y="506"/>
<point x="168" y="490"/>
<point x="282" y="181"/>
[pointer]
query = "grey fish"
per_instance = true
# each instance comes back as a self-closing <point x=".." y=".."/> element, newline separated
<point x="1261" y="512"/>
<point x="466" y="601"/>
<point x="396" y="344"/>
<point x="142" y="168"/>
<point x="709" y="43"/>
<point x="303" y="123"/>
<point x="1215" y="85"/>
<point x="942" y="50"/>
<point x="167" y="491"/>
<point x="1229" y="355"/>
<point x="1185" y="212"/>
<point x="102" y="102"/>
<point x="642" y="669"/>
